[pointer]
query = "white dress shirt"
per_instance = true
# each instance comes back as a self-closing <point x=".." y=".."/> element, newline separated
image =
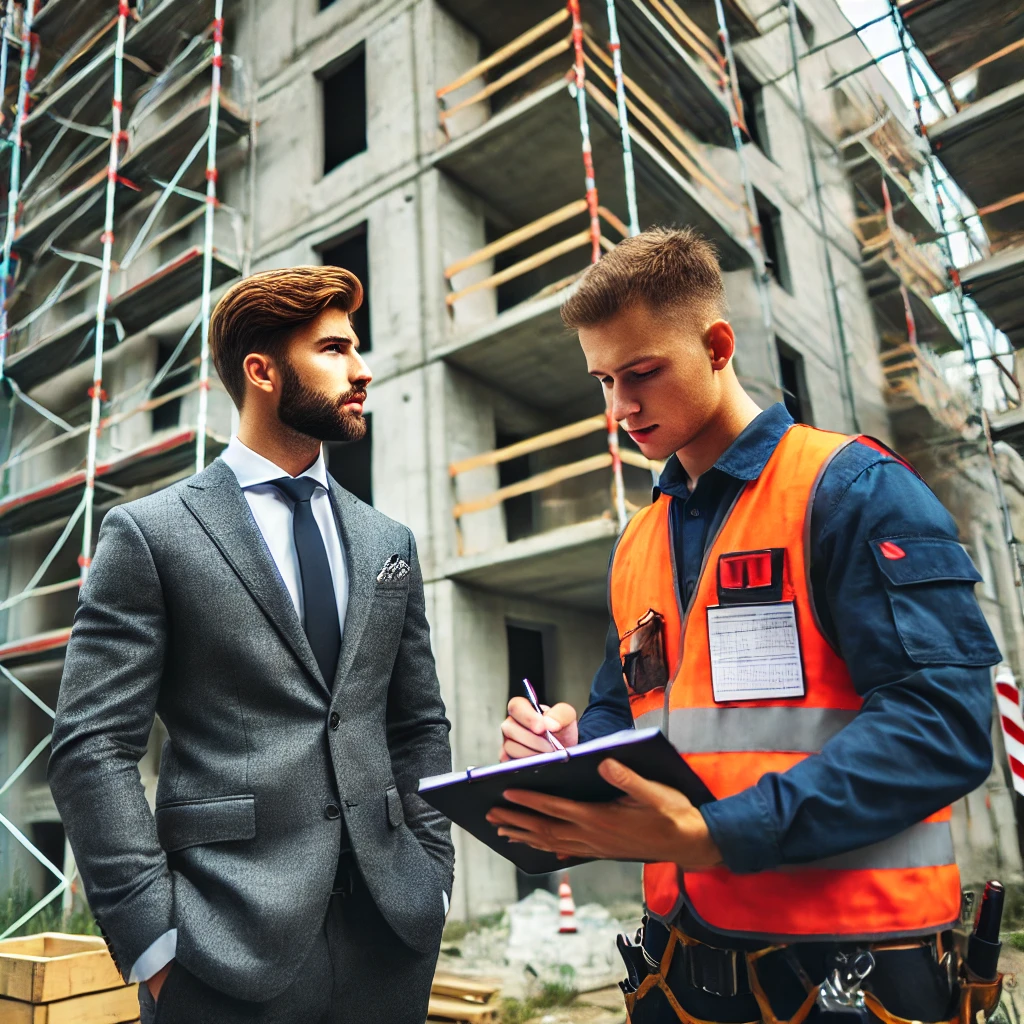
<point x="273" y="514"/>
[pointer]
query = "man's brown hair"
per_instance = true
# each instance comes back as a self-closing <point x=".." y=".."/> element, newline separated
<point x="258" y="313"/>
<point x="662" y="268"/>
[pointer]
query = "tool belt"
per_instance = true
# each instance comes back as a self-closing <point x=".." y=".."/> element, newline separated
<point x="729" y="972"/>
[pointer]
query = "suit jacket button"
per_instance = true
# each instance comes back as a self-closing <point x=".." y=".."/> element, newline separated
<point x="335" y="719"/>
<point x="332" y="811"/>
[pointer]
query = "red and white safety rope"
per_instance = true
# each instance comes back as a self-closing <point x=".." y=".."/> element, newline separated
<point x="728" y="83"/>
<point x="615" y="45"/>
<point x="588" y="155"/>
<point x="595" y="231"/>
<point x="117" y="137"/>
<point x="203" y="414"/>
<point x="14" y="141"/>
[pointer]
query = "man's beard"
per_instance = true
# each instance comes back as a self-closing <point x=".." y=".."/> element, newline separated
<point x="315" y="413"/>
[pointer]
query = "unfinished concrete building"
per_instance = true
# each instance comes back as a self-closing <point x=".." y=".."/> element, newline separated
<point x="434" y="147"/>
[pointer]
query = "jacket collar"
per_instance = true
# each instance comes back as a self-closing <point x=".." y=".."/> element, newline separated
<point x="216" y="500"/>
<point x="743" y="460"/>
<point x="251" y="468"/>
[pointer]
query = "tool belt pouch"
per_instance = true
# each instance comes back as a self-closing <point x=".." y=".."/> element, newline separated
<point x="655" y="1000"/>
<point x="978" y="996"/>
<point x="643" y="655"/>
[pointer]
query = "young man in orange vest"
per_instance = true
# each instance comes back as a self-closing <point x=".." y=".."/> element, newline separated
<point x="795" y="611"/>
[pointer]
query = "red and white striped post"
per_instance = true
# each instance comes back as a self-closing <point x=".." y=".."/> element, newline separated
<point x="1012" y="724"/>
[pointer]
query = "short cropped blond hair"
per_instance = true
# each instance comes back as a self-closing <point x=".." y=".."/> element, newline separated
<point x="662" y="268"/>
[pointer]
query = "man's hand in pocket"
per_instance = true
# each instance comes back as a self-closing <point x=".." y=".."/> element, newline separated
<point x="156" y="983"/>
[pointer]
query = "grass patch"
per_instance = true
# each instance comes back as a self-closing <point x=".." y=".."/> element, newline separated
<point x="1016" y="939"/>
<point x="20" y="898"/>
<point x="552" y="994"/>
<point x="455" y="931"/>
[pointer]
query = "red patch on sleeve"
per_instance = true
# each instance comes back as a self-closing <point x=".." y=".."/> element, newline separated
<point x="891" y="551"/>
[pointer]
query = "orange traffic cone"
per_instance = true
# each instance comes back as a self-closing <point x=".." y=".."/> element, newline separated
<point x="566" y="908"/>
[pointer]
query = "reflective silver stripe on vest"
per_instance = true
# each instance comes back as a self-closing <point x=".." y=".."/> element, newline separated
<point x="927" y="844"/>
<point x="650" y="719"/>
<point x="752" y="730"/>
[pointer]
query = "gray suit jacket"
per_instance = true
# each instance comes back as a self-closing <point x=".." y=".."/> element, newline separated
<point x="185" y="615"/>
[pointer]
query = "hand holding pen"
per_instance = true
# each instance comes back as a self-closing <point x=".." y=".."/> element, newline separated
<point x="531" y="696"/>
<point x="533" y="729"/>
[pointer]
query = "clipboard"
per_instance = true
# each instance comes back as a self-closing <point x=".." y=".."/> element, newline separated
<point x="466" y="796"/>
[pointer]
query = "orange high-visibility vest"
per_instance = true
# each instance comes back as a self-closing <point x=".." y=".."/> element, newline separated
<point x="906" y="885"/>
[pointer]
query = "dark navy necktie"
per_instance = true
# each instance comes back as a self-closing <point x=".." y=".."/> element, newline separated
<point x="319" y="602"/>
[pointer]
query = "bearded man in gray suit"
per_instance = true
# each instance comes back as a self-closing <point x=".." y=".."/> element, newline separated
<point x="276" y="624"/>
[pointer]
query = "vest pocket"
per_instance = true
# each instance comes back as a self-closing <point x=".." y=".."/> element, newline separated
<point x="930" y="584"/>
<point x="642" y="650"/>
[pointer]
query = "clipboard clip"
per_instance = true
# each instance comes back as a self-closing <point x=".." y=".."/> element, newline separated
<point x="473" y="772"/>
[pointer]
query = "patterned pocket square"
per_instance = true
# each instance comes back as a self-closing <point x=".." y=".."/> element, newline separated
<point x="395" y="568"/>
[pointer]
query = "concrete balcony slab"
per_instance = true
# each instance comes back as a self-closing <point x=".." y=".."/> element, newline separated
<point x="35" y="650"/>
<point x="497" y="24"/>
<point x="956" y="34"/>
<point x="980" y="147"/>
<point x="171" y="286"/>
<point x="890" y="155"/>
<point x="566" y="566"/>
<point x="82" y="91"/>
<point x="995" y="284"/>
<point x="652" y="53"/>
<point x="525" y="162"/>
<point x="883" y="281"/>
<point x="81" y="210"/>
<point x="56" y="499"/>
<point x="527" y="352"/>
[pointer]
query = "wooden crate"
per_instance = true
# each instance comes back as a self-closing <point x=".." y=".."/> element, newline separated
<point x="115" y="1006"/>
<point x="463" y="1000"/>
<point x="62" y="979"/>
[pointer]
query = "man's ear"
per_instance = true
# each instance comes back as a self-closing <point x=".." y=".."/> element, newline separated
<point x="721" y="343"/>
<point x="259" y="372"/>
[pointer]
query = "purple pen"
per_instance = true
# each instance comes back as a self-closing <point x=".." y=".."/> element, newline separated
<point x="531" y="696"/>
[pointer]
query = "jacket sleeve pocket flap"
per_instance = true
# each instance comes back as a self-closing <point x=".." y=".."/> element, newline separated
<point x="909" y="560"/>
<point x="221" y="819"/>
<point x="396" y="814"/>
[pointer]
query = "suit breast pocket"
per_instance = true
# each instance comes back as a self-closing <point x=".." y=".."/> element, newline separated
<point x="221" y="819"/>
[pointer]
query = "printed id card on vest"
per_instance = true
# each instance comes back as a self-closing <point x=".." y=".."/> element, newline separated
<point x="755" y="651"/>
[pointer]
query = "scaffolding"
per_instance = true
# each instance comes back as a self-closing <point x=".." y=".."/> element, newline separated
<point x="81" y="235"/>
<point x="640" y="139"/>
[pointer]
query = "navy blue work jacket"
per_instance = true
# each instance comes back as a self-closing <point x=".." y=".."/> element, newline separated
<point x="912" y="635"/>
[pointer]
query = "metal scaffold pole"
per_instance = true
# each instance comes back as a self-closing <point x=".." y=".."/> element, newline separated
<point x="837" y="310"/>
<point x="595" y="235"/>
<point x="615" y="45"/>
<point x="117" y="136"/>
<point x="756" y="242"/>
<point x="211" y="206"/>
<point x="14" y="142"/>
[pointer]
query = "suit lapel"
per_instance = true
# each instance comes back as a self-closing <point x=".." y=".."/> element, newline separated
<point x="217" y="502"/>
<point x="363" y="559"/>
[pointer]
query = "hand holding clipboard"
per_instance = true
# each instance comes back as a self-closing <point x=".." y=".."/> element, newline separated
<point x="467" y="796"/>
